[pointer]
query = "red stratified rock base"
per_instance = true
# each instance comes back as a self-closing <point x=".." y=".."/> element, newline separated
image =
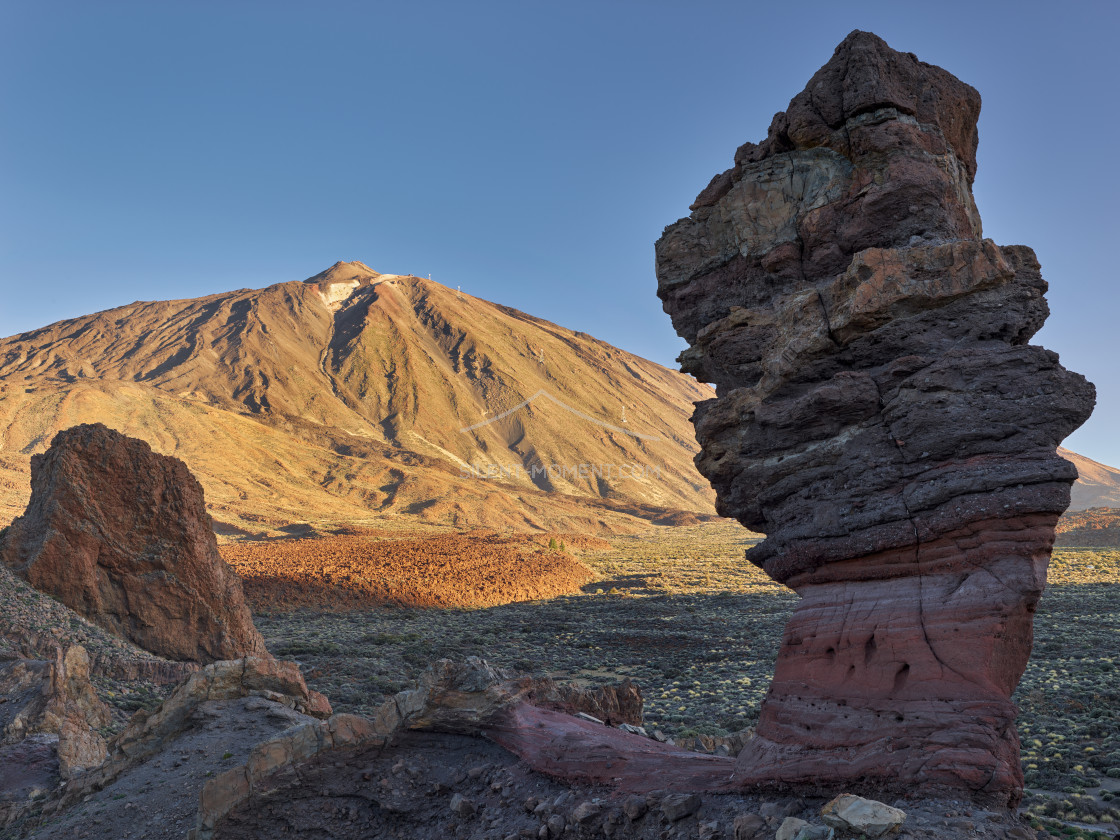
<point x="897" y="668"/>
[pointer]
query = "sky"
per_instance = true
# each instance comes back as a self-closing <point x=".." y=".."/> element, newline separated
<point x="528" y="152"/>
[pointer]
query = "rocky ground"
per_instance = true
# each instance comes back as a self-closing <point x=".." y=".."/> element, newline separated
<point x="158" y="800"/>
<point x="461" y="787"/>
<point x="675" y="609"/>
<point x="679" y="612"/>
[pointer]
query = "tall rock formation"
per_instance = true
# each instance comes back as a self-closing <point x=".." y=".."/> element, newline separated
<point x="120" y="535"/>
<point x="881" y="416"/>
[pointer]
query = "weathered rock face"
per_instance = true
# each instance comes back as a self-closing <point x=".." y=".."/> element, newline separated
<point x="51" y="698"/>
<point x="120" y="535"/>
<point x="882" y="418"/>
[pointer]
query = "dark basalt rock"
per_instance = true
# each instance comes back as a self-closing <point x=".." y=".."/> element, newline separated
<point x="881" y="416"/>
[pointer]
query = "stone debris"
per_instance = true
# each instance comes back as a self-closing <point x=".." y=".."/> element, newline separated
<point x="586" y="813"/>
<point x="750" y="827"/>
<point x="635" y="807"/>
<point x="461" y="806"/>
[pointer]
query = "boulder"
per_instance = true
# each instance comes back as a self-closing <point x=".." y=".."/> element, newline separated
<point x="635" y="807"/>
<point x="465" y="696"/>
<point x="616" y="704"/>
<point x="750" y="827"/>
<point x="677" y="806"/>
<point x="862" y="816"/>
<point x="731" y="745"/>
<point x="790" y="829"/>
<point x="121" y="536"/>
<point x="881" y="416"/>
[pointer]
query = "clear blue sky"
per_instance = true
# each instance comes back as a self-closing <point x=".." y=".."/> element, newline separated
<point x="530" y="152"/>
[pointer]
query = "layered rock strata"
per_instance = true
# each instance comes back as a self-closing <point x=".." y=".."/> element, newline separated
<point x="120" y="535"/>
<point x="881" y="416"/>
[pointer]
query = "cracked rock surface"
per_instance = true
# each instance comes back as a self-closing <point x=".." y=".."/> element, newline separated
<point x="882" y="417"/>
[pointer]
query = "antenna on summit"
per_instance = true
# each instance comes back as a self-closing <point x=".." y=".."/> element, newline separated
<point x="459" y="292"/>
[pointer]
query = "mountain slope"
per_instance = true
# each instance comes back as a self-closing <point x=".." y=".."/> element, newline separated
<point x="355" y="396"/>
<point x="1097" y="485"/>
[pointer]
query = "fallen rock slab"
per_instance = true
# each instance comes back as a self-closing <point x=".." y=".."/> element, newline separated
<point x="565" y="747"/>
<point x="475" y="698"/>
<point x="677" y="806"/>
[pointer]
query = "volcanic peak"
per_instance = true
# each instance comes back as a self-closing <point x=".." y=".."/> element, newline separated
<point x="339" y="281"/>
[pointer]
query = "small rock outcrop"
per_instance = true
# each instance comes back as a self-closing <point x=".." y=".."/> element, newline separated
<point x="882" y="418"/>
<point x="466" y="697"/>
<point x="121" y="536"/>
<point x="149" y="732"/>
<point x="50" y="707"/>
<point x="520" y="713"/>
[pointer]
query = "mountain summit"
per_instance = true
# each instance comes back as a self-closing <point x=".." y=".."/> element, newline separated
<point x="355" y="395"/>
